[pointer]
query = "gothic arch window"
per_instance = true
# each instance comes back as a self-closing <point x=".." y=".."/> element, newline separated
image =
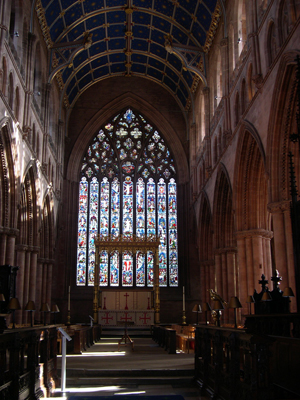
<point x="127" y="187"/>
<point x="271" y="43"/>
<point x="37" y="78"/>
<point x="215" y="152"/>
<point x="33" y="140"/>
<point x="12" y="22"/>
<point x="251" y="88"/>
<point x="10" y="90"/>
<point x="4" y="76"/>
<point x="37" y="146"/>
<point x="237" y="109"/>
<point x="218" y="79"/>
<point x="231" y="49"/>
<point x="243" y="97"/>
<point x="24" y="42"/>
<point x="285" y="25"/>
<point x="242" y="31"/>
<point x="17" y="104"/>
<point x="220" y="146"/>
<point x="202" y="119"/>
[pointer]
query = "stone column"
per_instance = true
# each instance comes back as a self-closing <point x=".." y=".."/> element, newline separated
<point x="224" y="275"/>
<point x="10" y="246"/>
<point x="39" y="283"/>
<point x="245" y="285"/>
<point x="212" y="277"/>
<point x="268" y="257"/>
<point x="258" y="262"/>
<point x="3" y="238"/>
<point x="33" y="275"/>
<point x="203" y="280"/>
<point x="282" y="259"/>
<point x="218" y="274"/>
<point x="231" y="274"/>
<point x="193" y="148"/>
<point x="205" y="297"/>
<point x="289" y="246"/>
<point x="26" y="283"/>
<point x="47" y="108"/>
<point x="49" y="288"/>
<point x="21" y="252"/>
<point x="4" y="21"/>
<point x="225" y="65"/>
<point x="225" y="74"/>
<point x="249" y="260"/>
<point x="206" y="93"/>
<point x="44" y="283"/>
<point x="29" y="75"/>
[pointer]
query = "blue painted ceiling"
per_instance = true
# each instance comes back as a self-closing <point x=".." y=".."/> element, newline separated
<point x="126" y="38"/>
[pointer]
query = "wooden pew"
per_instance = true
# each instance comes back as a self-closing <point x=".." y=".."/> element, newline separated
<point x="83" y="337"/>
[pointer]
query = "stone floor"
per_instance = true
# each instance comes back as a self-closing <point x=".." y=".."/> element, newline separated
<point x="145" y="370"/>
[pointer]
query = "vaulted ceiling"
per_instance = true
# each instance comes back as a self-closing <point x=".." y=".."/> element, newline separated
<point x="161" y="40"/>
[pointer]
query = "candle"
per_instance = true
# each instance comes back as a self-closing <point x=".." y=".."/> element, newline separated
<point x="183" y="299"/>
<point x="69" y="299"/>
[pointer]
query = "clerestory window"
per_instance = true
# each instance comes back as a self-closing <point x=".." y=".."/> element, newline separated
<point x="127" y="187"/>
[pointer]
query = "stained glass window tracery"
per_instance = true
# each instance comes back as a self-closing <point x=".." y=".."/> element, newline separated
<point x="127" y="186"/>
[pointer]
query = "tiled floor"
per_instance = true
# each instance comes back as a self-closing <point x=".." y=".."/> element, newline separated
<point x="148" y="369"/>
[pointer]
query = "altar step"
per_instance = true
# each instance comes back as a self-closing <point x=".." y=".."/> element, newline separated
<point x="133" y="378"/>
<point x="148" y="368"/>
<point x="109" y="331"/>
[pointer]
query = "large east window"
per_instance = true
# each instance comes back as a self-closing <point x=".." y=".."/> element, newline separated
<point x="127" y="187"/>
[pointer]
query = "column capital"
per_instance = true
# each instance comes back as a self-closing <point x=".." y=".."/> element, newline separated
<point x="22" y="248"/>
<point x="225" y="250"/>
<point x="207" y="263"/>
<point x="9" y="231"/>
<point x="279" y="207"/>
<point x="45" y="261"/>
<point x="206" y="90"/>
<point x="254" y="233"/>
<point x="224" y="42"/>
<point x="34" y="249"/>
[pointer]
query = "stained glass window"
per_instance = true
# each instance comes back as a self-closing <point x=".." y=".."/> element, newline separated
<point x="128" y="186"/>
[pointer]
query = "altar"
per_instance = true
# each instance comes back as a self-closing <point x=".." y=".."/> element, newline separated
<point x="135" y="306"/>
<point x="122" y="307"/>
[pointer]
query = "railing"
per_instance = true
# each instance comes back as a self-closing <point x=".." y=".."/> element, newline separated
<point x="165" y="337"/>
<point x="235" y="365"/>
<point x="27" y="362"/>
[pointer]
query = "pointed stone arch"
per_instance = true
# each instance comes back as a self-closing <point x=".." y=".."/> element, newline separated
<point x="226" y="277"/>
<point x="222" y="210"/>
<point x="253" y="230"/>
<point x="280" y="127"/>
<point x="7" y="177"/>
<point x="8" y="225"/>
<point x="282" y="124"/>
<point x="27" y="218"/>
<point x="205" y="247"/>
<point x="250" y="181"/>
<point x="46" y="229"/>
<point x="27" y="241"/>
